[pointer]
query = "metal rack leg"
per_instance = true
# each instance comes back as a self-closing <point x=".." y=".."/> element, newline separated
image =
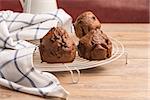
<point x="126" y="56"/>
<point x="72" y="74"/>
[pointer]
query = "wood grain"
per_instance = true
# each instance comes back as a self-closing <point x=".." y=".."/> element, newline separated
<point x="115" y="81"/>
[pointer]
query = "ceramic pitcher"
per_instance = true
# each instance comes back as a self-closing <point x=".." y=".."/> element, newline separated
<point x="38" y="6"/>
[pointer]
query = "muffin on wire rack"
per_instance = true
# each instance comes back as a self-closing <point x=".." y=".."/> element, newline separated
<point x="57" y="47"/>
<point x="93" y="43"/>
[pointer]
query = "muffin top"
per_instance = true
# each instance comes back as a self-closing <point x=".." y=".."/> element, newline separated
<point x="86" y="22"/>
<point x="96" y="37"/>
<point x="57" y="37"/>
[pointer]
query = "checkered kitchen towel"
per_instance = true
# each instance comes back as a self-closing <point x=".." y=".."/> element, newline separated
<point x="17" y="71"/>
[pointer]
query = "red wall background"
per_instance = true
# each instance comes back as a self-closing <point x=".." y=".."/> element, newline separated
<point x="112" y="11"/>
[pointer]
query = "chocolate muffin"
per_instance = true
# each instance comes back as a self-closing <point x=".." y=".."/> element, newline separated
<point x="86" y="22"/>
<point x="95" y="46"/>
<point x="57" y="47"/>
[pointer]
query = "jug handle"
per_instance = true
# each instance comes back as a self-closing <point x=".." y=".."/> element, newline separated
<point x="22" y="3"/>
<point x="26" y="5"/>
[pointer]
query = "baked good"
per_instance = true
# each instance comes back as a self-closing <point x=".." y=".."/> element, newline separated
<point x="86" y="22"/>
<point x="95" y="45"/>
<point x="57" y="47"/>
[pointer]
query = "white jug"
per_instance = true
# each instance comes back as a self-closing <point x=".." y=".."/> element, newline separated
<point x="38" y="6"/>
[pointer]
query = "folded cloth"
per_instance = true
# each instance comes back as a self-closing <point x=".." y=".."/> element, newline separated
<point x="17" y="71"/>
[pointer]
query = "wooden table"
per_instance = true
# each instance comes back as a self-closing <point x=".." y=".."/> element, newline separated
<point x="114" y="81"/>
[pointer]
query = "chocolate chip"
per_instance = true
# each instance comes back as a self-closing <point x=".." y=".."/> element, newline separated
<point x="93" y="18"/>
<point x="106" y="41"/>
<point x="104" y="46"/>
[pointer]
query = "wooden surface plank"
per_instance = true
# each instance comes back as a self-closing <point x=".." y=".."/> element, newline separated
<point x="136" y="27"/>
<point x="115" y="81"/>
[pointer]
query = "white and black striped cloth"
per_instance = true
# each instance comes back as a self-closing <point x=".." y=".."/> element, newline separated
<point x="17" y="71"/>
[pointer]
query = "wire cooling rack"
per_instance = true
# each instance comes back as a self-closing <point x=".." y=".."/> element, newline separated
<point x="80" y="63"/>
